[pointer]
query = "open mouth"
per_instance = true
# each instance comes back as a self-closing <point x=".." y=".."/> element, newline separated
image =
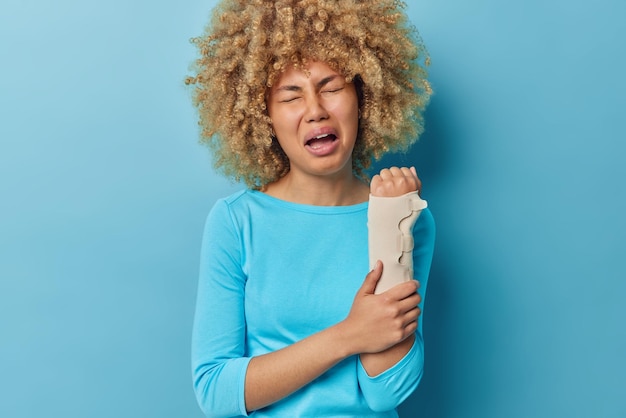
<point x="321" y="141"/>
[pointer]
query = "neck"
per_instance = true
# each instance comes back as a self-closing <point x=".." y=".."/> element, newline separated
<point x="336" y="190"/>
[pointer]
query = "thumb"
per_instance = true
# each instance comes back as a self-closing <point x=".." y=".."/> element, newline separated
<point x="372" y="278"/>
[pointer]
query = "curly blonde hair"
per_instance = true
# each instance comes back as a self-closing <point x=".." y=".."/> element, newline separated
<point x="248" y="43"/>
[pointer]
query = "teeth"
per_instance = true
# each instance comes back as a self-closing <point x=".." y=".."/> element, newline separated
<point x="321" y="136"/>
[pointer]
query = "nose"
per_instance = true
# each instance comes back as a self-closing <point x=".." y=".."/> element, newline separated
<point x="315" y="110"/>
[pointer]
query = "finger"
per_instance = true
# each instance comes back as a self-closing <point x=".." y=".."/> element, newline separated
<point x="411" y="316"/>
<point x="406" y="172"/>
<point x="413" y="298"/>
<point x="416" y="285"/>
<point x="385" y="174"/>
<point x="411" y="178"/>
<point x="396" y="172"/>
<point x="372" y="278"/>
<point x="410" y="328"/>
<point x="375" y="183"/>
<point x="419" y="182"/>
<point x="410" y="303"/>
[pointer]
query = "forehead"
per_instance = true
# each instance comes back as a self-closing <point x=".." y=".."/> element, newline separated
<point x="312" y="72"/>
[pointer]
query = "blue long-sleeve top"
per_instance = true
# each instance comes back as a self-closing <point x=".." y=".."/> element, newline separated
<point x="274" y="272"/>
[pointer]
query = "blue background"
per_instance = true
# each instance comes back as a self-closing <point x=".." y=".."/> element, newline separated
<point x="104" y="191"/>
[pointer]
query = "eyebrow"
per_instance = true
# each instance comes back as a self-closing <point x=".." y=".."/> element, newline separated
<point x="319" y="84"/>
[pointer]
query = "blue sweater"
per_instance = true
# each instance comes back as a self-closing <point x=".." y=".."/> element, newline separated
<point x="274" y="272"/>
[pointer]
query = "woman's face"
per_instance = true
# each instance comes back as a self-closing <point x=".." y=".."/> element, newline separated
<point x="315" y="117"/>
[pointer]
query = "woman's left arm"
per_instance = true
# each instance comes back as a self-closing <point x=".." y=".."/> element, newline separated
<point x="388" y="377"/>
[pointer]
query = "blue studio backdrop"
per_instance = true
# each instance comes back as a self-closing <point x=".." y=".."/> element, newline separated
<point x="104" y="191"/>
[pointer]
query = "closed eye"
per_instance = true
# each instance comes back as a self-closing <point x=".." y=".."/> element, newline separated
<point x="332" y="90"/>
<point x="288" y="100"/>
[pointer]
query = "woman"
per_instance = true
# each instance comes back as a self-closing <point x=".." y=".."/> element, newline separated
<point x="295" y="98"/>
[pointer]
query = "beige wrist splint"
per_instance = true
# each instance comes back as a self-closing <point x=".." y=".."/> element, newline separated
<point x="390" y="223"/>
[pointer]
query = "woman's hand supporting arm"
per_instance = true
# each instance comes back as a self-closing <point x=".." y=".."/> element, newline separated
<point x="375" y="323"/>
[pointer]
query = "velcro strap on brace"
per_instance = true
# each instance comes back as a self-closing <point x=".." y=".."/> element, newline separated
<point x="390" y="223"/>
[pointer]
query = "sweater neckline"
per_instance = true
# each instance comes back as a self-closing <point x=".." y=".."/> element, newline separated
<point x="333" y="210"/>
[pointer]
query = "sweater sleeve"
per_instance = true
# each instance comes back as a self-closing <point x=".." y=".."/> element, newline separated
<point x="218" y="337"/>
<point x="390" y="388"/>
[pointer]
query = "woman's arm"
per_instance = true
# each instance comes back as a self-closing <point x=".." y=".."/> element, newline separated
<point x="387" y="389"/>
<point x="375" y="323"/>
<point x="392" y="182"/>
<point x="218" y="339"/>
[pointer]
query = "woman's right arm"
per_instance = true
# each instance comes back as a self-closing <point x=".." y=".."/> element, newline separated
<point x="375" y="323"/>
<point x="218" y="337"/>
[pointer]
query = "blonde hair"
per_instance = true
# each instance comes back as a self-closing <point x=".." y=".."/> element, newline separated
<point x="248" y="43"/>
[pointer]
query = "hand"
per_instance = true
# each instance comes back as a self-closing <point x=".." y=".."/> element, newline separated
<point x="377" y="322"/>
<point x="394" y="181"/>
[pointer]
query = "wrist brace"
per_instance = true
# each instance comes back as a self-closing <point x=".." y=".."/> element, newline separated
<point x="390" y="223"/>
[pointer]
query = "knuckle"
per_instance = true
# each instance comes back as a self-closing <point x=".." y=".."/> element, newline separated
<point x="398" y="335"/>
<point x="393" y="311"/>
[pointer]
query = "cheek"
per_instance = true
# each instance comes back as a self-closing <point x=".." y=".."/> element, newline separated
<point x="349" y="110"/>
<point x="282" y="124"/>
<point x="342" y="109"/>
<point x="349" y="115"/>
<point x="277" y="119"/>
